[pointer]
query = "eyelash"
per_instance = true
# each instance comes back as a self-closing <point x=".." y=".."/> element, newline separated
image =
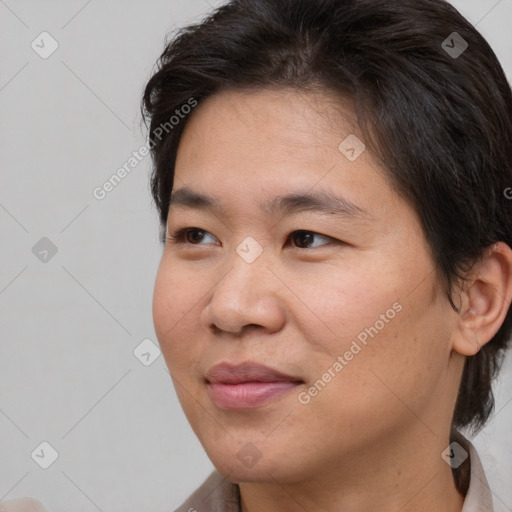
<point x="179" y="236"/>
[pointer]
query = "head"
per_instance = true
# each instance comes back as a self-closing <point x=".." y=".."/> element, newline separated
<point x="410" y="283"/>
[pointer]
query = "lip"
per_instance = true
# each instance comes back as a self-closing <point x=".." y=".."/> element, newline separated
<point x="247" y="385"/>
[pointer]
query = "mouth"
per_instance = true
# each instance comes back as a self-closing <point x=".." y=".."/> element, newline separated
<point x="247" y="385"/>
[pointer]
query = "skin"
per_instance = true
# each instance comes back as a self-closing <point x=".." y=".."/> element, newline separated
<point x="372" y="438"/>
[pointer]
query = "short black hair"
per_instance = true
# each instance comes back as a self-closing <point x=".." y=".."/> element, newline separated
<point x="437" y="118"/>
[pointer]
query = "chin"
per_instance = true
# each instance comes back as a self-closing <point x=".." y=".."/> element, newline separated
<point x="245" y="465"/>
<point x="238" y="473"/>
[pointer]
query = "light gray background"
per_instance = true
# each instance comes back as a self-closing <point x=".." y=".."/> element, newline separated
<point x="69" y="326"/>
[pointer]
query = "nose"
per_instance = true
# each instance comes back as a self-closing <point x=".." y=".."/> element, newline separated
<point x="249" y="294"/>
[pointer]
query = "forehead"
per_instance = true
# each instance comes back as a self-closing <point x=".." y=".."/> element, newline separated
<point x="270" y="124"/>
<point x="261" y="146"/>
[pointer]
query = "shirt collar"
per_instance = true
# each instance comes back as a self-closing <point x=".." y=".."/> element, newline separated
<point x="479" y="496"/>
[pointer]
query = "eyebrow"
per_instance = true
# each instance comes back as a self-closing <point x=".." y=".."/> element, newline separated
<point x="323" y="202"/>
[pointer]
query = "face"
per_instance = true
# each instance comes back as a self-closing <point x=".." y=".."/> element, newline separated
<point x="342" y="300"/>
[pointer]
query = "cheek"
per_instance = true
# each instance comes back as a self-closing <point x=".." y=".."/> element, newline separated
<point x="173" y="299"/>
<point x="389" y="368"/>
<point x="347" y="304"/>
<point x="384" y="325"/>
<point x="175" y="321"/>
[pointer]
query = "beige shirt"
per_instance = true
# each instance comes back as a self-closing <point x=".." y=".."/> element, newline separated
<point x="218" y="495"/>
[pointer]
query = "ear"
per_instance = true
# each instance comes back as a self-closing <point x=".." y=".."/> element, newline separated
<point x="486" y="300"/>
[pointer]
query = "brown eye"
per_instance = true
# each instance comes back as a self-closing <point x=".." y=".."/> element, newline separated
<point x="306" y="238"/>
<point x="191" y="236"/>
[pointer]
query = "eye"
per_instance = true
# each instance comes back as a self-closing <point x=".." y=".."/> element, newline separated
<point x="182" y="236"/>
<point x="194" y="236"/>
<point x="307" y="237"/>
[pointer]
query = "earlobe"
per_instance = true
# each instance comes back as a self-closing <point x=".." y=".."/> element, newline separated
<point x="466" y="340"/>
<point x="486" y="300"/>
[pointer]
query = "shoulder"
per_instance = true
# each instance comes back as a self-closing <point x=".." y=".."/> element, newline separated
<point x="213" y="495"/>
<point x="22" y="505"/>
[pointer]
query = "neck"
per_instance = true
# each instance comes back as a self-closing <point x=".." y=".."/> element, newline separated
<point x="408" y="474"/>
